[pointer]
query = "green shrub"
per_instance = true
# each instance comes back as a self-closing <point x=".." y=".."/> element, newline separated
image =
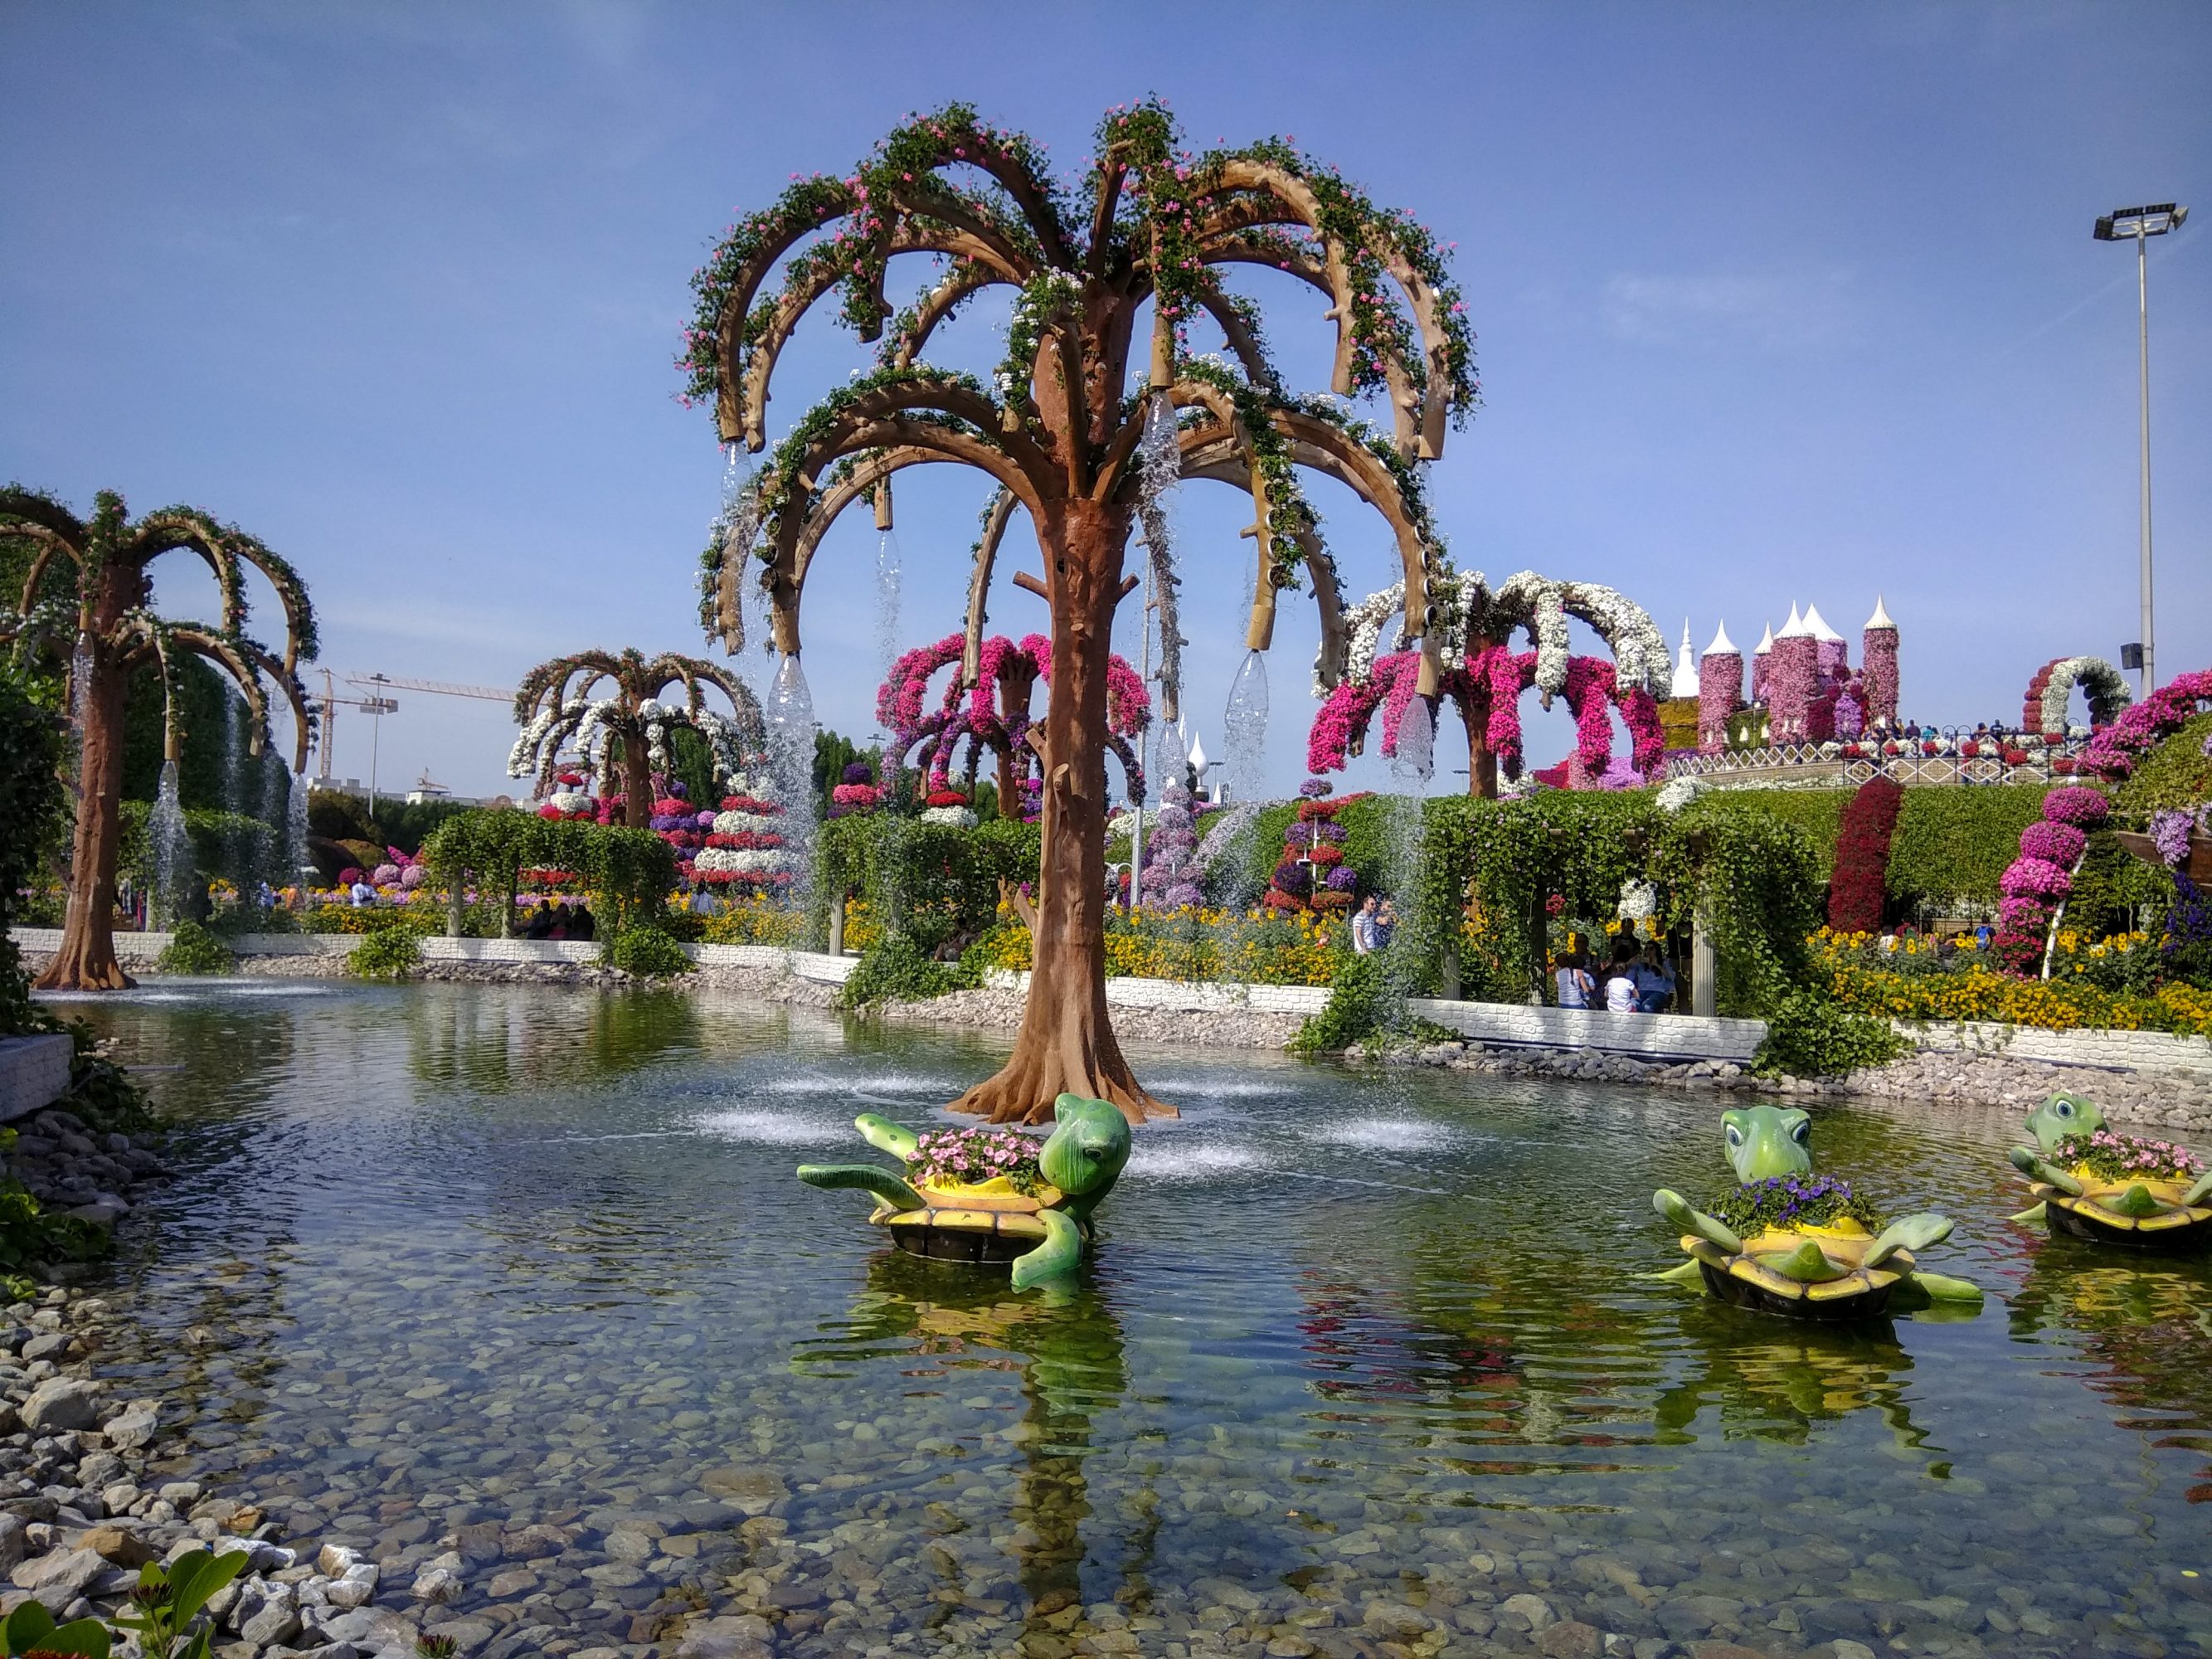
<point x="647" y="951"/>
<point x="896" y="969"/>
<point x="2177" y="773"/>
<point x="1807" y="1034"/>
<point x="30" y="801"/>
<point x="387" y="953"/>
<point x="1358" y="1009"/>
<point x="193" y="948"/>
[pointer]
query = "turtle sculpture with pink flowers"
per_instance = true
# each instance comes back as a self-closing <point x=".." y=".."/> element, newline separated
<point x="991" y="1196"/>
<point x="2092" y="1182"/>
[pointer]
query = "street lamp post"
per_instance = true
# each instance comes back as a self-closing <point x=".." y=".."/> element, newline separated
<point x="2140" y="224"/>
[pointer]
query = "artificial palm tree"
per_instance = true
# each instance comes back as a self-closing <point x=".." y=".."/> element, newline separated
<point x="1143" y="238"/>
<point x="624" y="730"/>
<point x="86" y="609"/>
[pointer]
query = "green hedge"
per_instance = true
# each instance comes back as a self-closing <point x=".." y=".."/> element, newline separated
<point x="932" y="888"/>
<point x="1953" y="842"/>
<point x="30" y="799"/>
<point x="632" y="872"/>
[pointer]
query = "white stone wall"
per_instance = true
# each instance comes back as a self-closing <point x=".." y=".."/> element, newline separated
<point x="34" y="1072"/>
<point x="2125" y="1051"/>
<point x="1180" y="996"/>
<point x="1643" y="1036"/>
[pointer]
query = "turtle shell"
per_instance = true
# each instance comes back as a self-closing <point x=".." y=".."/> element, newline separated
<point x="987" y="1222"/>
<point x="2177" y="1229"/>
<point x="1744" y="1280"/>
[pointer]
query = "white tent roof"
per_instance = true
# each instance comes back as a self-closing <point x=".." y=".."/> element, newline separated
<point x="1723" y="646"/>
<point x="1794" y="627"/>
<point x="1818" y="629"/>
<point x="1766" y="642"/>
<point x="1880" y="617"/>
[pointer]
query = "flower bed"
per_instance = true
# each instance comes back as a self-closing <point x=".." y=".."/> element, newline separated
<point x="1195" y="945"/>
<point x="1978" y="992"/>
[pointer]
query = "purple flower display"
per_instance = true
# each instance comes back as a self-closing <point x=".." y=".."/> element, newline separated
<point x="1343" y="878"/>
<point x="2169" y="832"/>
<point x="956" y="1157"/>
<point x="1314" y="788"/>
<point x="2057" y="844"/>
<point x="2077" y="804"/>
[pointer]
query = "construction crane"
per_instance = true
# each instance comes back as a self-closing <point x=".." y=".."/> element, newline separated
<point x="327" y="710"/>
<point x="377" y="705"/>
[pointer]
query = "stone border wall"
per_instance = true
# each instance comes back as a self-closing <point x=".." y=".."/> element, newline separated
<point x="34" y="1073"/>
<point x="1664" y="1037"/>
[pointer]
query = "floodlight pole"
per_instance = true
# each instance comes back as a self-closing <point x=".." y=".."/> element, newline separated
<point x="2142" y="316"/>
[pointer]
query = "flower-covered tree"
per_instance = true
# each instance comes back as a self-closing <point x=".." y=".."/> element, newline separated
<point x="993" y="714"/>
<point x="86" y="608"/>
<point x="1067" y="437"/>
<point x="623" y="730"/>
<point x="1472" y="626"/>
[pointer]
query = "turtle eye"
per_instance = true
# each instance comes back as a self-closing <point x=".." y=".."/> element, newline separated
<point x="2063" y="1107"/>
<point x="1734" y="1135"/>
<point x="1802" y="1130"/>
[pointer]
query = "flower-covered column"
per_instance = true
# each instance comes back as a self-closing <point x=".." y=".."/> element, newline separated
<point x="1878" y="667"/>
<point x="1720" y="691"/>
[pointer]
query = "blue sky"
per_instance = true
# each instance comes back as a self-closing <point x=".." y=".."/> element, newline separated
<point x="1774" y="304"/>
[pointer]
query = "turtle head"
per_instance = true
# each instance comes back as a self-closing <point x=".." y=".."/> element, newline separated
<point x="1087" y="1150"/>
<point x="1765" y="1141"/>
<point x="2062" y="1116"/>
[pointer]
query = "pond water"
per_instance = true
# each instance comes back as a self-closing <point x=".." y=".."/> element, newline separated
<point x="1362" y="1362"/>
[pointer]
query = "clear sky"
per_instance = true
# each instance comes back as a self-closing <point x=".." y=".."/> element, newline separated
<point x="1774" y="304"/>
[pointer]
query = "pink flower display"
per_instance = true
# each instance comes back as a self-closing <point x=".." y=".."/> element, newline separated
<point x="2115" y="750"/>
<point x="2054" y="843"/>
<point x="2077" y="804"/>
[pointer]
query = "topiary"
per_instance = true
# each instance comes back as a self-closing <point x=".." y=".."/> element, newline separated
<point x="647" y="951"/>
<point x="193" y="950"/>
<point x="896" y="969"/>
<point x="1809" y="1035"/>
<point x="387" y="953"/>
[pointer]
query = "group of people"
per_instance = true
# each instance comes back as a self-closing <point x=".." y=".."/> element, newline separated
<point x="555" y="919"/>
<point x="1636" y="981"/>
<point x="1373" y="924"/>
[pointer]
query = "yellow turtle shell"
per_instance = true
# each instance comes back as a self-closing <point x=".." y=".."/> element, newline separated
<point x="987" y="1221"/>
<point x="1745" y="1281"/>
<point x="2177" y="1227"/>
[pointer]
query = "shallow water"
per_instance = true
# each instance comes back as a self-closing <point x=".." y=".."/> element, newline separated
<point x="1358" y="1356"/>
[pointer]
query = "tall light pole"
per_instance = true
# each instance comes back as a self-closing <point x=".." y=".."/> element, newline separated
<point x="2140" y="224"/>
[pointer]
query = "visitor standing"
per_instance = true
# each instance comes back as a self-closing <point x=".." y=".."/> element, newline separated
<point x="363" y="894"/>
<point x="1575" y="981"/>
<point x="1363" y="927"/>
<point x="1386" y="924"/>
<point x="1620" y="987"/>
<point x="583" y="924"/>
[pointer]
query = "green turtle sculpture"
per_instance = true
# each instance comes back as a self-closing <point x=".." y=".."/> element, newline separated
<point x="991" y="1196"/>
<point x="2093" y="1183"/>
<point x="1789" y="1242"/>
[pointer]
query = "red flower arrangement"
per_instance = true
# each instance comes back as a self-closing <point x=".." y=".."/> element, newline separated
<point x="1859" y="889"/>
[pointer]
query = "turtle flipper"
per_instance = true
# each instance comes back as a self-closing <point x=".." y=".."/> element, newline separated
<point x="2200" y="1191"/>
<point x="1059" y="1253"/>
<point x="1689" y="1272"/>
<point x="865" y="1176"/>
<point x="886" y="1136"/>
<point x="1676" y="1209"/>
<point x="1913" y="1232"/>
<point x="2033" y="1212"/>
<point x="2025" y="1160"/>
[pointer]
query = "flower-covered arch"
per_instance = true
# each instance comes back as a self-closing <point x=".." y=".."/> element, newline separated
<point x="2044" y="709"/>
<point x="1469" y="627"/>
<point x="1487" y="694"/>
<point x="991" y="713"/>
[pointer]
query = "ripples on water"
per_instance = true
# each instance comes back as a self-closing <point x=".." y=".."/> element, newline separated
<point x="495" y="1253"/>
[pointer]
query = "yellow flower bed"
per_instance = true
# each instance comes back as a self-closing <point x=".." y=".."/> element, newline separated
<point x="755" y="922"/>
<point x="1197" y="944"/>
<point x="1983" y="994"/>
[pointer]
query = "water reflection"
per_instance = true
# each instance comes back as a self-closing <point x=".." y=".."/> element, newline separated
<point x="939" y="1322"/>
<point x="1774" y="1380"/>
<point x="2145" y="1326"/>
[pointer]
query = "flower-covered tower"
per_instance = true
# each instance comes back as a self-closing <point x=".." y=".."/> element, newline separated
<point x="1878" y="667"/>
<point x="1762" y="657"/>
<point x="1720" y="691"/>
<point x="1793" y="672"/>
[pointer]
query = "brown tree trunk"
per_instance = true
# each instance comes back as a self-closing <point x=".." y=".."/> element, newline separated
<point x="1481" y="759"/>
<point x="86" y="960"/>
<point x="1065" y="1043"/>
<point x="1016" y="683"/>
<point x="637" y="783"/>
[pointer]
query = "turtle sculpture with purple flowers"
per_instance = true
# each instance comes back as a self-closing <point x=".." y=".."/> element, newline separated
<point x="991" y="1196"/>
<point x="1804" y="1245"/>
<point x="2092" y="1182"/>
